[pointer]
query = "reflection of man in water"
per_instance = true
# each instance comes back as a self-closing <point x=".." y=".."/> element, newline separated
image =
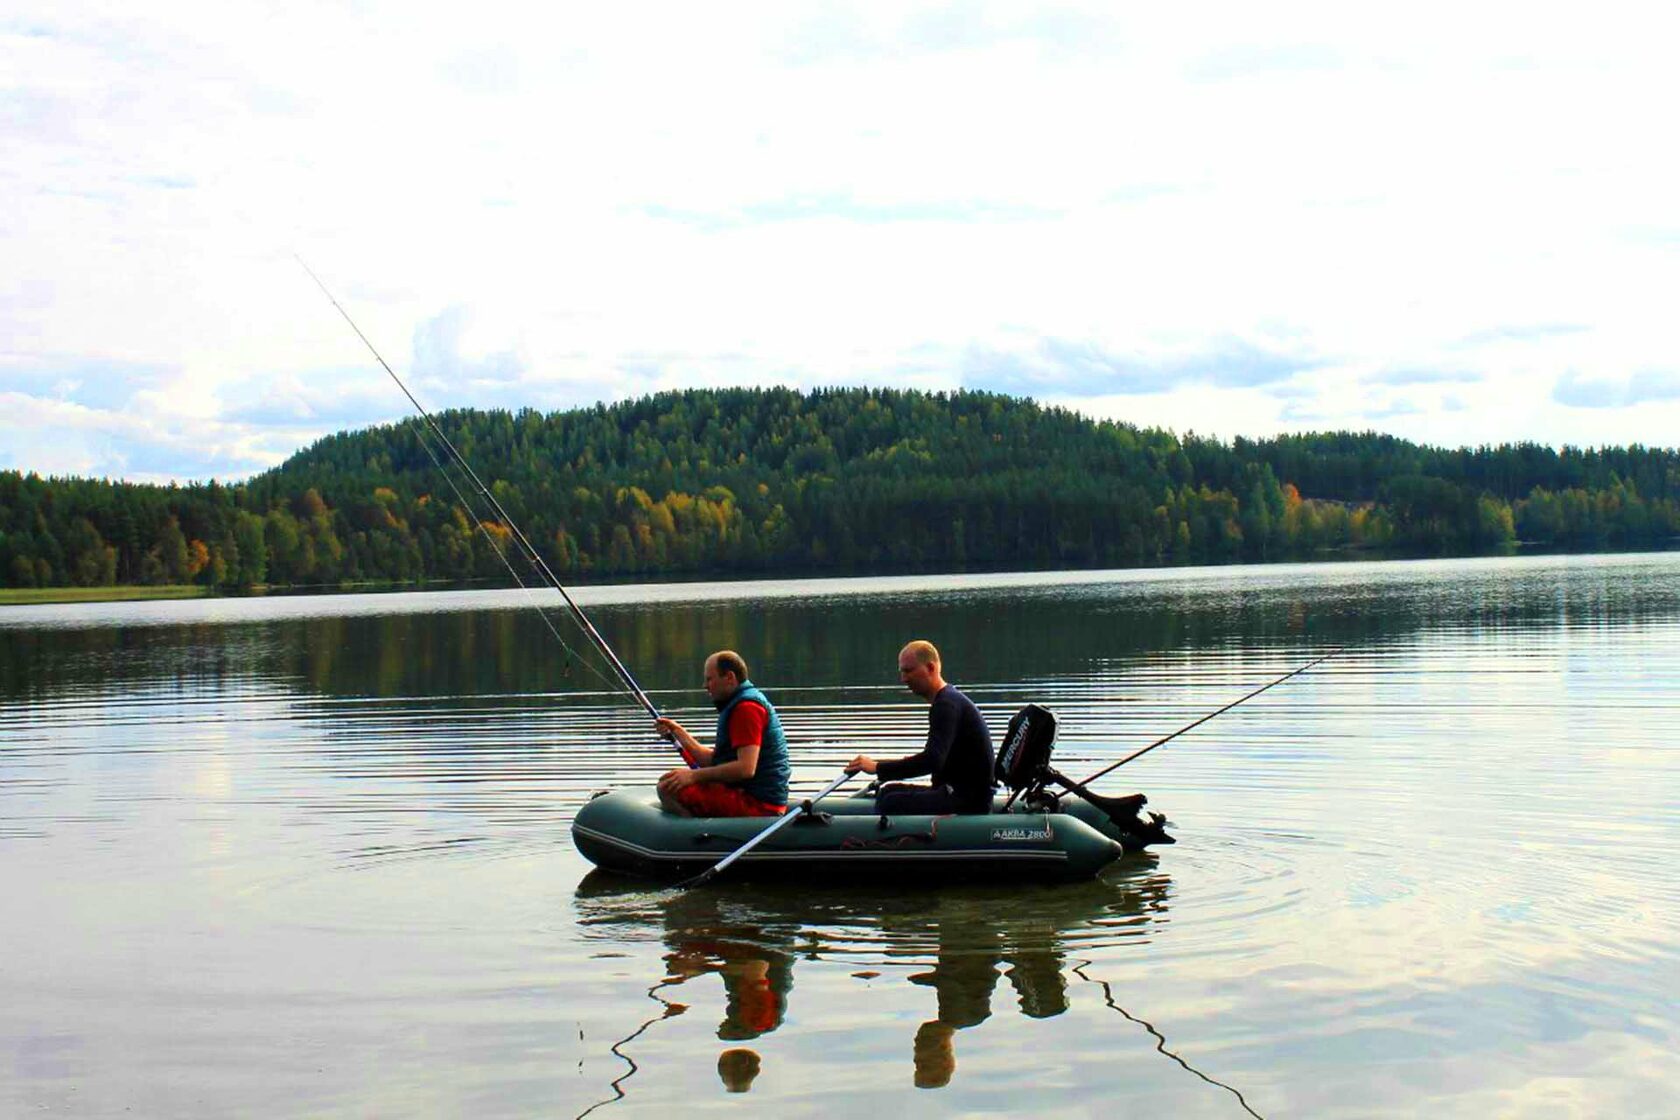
<point x="962" y="940"/>
<point x="963" y="978"/>
<point x="737" y="1067"/>
<point x="756" y="981"/>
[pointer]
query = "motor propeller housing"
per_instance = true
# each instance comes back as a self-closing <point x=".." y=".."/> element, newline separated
<point x="1023" y="767"/>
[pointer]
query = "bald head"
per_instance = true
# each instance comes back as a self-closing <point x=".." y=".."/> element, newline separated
<point x="921" y="651"/>
<point x="728" y="661"/>
<point x="725" y="671"/>
<point x="918" y="668"/>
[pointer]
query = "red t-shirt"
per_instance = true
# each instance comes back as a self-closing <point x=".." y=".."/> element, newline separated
<point x="746" y="727"/>
<point x="747" y="723"/>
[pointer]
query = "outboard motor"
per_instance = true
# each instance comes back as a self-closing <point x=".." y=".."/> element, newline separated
<point x="1023" y="767"/>
<point x="1025" y="754"/>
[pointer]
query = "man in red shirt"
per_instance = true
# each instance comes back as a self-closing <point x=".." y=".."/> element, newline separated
<point x="745" y="773"/>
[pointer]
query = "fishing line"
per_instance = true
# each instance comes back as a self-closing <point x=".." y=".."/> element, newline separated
<point x="501" y="554"/>
<point x="616" y="1085"/>
<point x="533" y="556"/>
<point x="1192" y="726"/>
<point x="1160" y="1039"/>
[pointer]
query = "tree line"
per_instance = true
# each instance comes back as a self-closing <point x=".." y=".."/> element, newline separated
<point x="748" y="480"/>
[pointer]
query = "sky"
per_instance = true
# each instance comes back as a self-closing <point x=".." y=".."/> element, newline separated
<point x="1455" y="223"/>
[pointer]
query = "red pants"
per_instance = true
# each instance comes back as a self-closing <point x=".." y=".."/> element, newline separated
<point x="714" y="799"/>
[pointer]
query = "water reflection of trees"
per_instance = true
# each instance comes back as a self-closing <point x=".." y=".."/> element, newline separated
<point x="990" y="635"/>
<point x="958" y="943"/>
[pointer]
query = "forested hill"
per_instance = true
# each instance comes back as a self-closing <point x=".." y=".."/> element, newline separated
<point x="746" y="480"/>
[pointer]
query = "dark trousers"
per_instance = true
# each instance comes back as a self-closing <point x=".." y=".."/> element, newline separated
<point x="899" y="799"/>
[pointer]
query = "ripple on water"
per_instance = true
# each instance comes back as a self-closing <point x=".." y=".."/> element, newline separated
<point x="1446" y="853"/>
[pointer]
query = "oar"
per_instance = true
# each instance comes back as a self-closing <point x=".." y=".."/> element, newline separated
<point x="786" y="818"/>
<point x="1210" y="715"/>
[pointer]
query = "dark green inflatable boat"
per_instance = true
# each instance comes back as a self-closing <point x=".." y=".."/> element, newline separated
<point x="1047" y="829"/>
<point x="844" y="836"/>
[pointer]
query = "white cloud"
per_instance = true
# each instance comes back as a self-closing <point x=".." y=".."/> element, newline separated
<point x="611" y="200"/>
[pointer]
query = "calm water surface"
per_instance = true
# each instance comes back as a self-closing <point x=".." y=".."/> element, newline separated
<point x="311" y="856"/>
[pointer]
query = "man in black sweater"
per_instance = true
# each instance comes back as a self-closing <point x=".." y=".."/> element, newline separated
<point x="958" y="753"/>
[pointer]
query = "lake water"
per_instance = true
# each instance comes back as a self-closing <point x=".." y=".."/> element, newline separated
<point x="307" y="856"/>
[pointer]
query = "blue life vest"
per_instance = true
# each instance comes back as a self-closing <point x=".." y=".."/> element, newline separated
<point x="770" y="781"/>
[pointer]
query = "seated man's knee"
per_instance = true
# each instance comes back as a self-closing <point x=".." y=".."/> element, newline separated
<point x="908" y="799"/>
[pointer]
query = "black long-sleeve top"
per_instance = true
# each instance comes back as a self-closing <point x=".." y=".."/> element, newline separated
<point x="958" y="752"/>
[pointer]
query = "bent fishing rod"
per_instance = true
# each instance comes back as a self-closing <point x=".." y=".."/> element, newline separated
<point x="1192" y="726"/>
<point x="532" y="555"/>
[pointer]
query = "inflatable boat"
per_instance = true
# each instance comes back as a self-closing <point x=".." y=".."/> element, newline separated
<point x="628" y="832"/>
<point x="1046" y="828"/>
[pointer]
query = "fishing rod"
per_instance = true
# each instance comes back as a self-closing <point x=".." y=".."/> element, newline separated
<point x="1192" y="726"/>
<point x="533" y="557"/>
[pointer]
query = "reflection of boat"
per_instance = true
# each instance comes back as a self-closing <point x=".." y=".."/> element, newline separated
<point x="628" y="832"/>
<point x="959" y="943"/>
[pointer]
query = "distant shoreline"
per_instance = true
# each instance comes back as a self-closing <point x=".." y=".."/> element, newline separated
<point x="31" y="596"/>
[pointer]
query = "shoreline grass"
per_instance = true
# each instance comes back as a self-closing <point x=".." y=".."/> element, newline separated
<point x="18" y="596"/>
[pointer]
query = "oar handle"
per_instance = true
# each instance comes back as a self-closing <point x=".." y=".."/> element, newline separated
<point x="782" y="821"/>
